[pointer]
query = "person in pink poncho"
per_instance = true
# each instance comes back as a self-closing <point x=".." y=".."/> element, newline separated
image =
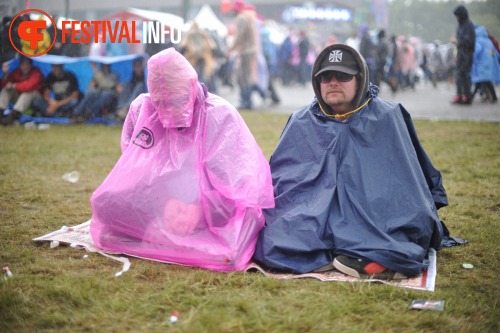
<point x="191" y="183"/>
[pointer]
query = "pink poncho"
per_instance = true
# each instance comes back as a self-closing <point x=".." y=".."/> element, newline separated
<point x="191" y="183"/>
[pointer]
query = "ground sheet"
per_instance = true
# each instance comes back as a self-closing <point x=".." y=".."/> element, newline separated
<point x="79" y="237"/>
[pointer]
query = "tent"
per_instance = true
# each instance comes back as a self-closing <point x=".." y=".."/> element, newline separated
<point x="80" y="67"/>
<point x="206" y="19"/>
<point x="147" y="15"/>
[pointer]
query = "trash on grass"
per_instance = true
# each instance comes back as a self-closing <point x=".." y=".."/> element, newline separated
<point x="174" y="317"/>
<point x="71" y="177"/>
<point x="30" y="125"/>
<point x="427" y="305"/>
<point x="54" y="244"/>
<point x="467" y="266"/>
<point x="7" y="271"/>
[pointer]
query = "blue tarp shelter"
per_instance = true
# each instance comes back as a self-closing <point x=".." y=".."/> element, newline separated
<point x="80" y="66"/>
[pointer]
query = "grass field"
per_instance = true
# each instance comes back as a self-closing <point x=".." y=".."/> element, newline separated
<point x="55" y="290"/>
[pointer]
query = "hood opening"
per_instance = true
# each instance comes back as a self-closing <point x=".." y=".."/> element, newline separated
<point x="173" y="88"/>
<point x="361" y="77"/>
<point x="461" y="13"/>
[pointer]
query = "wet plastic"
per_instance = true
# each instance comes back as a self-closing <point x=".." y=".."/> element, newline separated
<point x="72" y="176"/>
<point x="191" y="183"/>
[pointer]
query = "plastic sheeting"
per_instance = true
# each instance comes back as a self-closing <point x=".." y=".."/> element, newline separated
<point x="364" y="188"/>
<point x="191" y="183"/>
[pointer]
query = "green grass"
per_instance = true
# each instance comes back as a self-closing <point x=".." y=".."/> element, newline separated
<point x="56" y="290"/>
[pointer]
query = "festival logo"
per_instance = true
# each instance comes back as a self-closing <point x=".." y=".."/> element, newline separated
<point x="33" y="33"/>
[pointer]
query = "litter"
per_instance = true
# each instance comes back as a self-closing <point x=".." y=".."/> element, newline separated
<point x="427" y="305"/>
<point x="30" y="125"/>
<point x="467" y="266"/>
<point x="174" y="317"/>
<point x="71" y="177"/>
<point x="43" y="127"/>
<point x="7" y="271"/>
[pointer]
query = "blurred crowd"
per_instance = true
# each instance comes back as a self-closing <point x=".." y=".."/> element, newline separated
<point x="247" y="57"/>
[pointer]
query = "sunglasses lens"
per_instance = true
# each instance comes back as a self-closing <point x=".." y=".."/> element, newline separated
<point x="343" y="77"/>
<point x="339" y="76"/>
<point x="326" y="77"/>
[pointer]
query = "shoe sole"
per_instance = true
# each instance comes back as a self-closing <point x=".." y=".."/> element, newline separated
<point x="352" y="272"/>
<point x="345" y="269"/>
<point x="326" y="268"/>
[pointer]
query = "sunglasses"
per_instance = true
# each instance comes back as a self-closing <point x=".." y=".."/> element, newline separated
<point x="327" y="77"/>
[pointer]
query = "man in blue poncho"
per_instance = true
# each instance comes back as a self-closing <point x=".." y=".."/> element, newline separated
<point x="354" y="189"/>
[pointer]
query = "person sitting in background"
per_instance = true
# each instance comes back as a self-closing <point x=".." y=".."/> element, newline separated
<point x="101" y="96"/>
<point x="132" y="89"/>
<point x="20" y="87"/>
<point x="60" y="94"/>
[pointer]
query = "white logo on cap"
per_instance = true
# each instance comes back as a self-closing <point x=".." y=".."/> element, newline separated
<point x="335" y="56"/>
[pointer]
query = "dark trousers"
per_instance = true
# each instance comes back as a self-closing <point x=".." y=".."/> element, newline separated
<point x="486" y="88"/>
<point x="96" y="103"/>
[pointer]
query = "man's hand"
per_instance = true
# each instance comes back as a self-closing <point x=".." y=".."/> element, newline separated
<point x="119" y="88"/>
<point x="5" y="68"/>
<point x="52" y="107"/>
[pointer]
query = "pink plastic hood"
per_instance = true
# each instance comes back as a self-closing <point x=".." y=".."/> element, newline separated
<point x="173" y="86"/>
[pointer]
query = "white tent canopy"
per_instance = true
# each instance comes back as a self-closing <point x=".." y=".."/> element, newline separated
<point x="206" y="19"/>
<point x="165" y="18"/>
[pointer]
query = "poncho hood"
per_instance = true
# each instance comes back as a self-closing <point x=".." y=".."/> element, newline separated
<point x="362" y="76"/>
<point x="173" y="87"/>
<point x="481" y="31"/>
<point x="462" y="14"/>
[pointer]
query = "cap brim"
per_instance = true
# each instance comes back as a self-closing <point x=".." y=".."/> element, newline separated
<point x="338" y="69"/>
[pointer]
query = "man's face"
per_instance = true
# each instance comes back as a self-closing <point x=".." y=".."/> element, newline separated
<point x="25" y="67"/>
<point x="138" y="67"/>
<point x="339" y="95"/>
<point x="105" y="68"/>
<point x="57" y="70"/>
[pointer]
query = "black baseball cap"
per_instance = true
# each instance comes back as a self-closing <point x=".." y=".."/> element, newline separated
<point x="339" y="60"/>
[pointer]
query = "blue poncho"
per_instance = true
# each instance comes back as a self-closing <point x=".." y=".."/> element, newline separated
<point x="364" y="188"/>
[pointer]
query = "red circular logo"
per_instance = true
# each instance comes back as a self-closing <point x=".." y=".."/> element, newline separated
<point x="30" y="31"/>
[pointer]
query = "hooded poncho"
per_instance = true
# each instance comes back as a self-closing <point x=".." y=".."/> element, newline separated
<point x="466" y="38"/>
<point x="191" y="183"/>
<point x="363" y="187"/>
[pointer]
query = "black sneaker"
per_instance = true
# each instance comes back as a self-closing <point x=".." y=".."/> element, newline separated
<point x="365" y="269"/>
<point x="11" y="118"/>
